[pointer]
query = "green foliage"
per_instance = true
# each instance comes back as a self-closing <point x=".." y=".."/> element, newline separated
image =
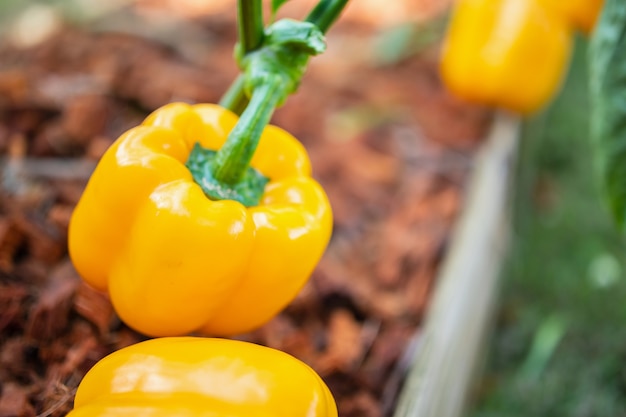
<point x="567" y="262"/>
<point x="400" y="42"/>
<point x="608" y="99"/>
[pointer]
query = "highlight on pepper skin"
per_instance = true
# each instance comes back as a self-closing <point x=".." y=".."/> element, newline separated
<point x="191" y="377"/>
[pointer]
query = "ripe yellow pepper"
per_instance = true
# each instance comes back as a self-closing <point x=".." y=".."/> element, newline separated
<point x="189" y="377"/>
<point x="174" y="261"/>
<point x="506" y="53"/>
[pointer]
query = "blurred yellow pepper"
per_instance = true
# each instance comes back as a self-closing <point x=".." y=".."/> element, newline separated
<point x="174" y="261"/>
<point x="506" y="53"/>
<point x="193" y="377"/>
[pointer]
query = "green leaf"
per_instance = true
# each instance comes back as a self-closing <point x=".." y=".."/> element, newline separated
<point x="608" y="104"/>
<point x="545" y="342"/>
<point x="276" y="4"/>
<point x="299" y="36"/>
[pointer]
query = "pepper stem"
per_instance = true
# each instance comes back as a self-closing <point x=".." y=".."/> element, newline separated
<point x="233" y="158"/>
<point x="235" y="98"/>
<point x="250" y="18"/>
<point x="325" y="13"/>
<point x="273" y="63"/>
<point x="323" y="16"/>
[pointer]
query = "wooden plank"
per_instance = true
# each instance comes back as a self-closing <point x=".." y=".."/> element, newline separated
<point x="457" y="321"/>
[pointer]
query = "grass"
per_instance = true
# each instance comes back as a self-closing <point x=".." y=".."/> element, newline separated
<point x="559" y="344"/>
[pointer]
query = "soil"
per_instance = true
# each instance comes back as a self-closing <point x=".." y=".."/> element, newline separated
<point x="391" y="147"/>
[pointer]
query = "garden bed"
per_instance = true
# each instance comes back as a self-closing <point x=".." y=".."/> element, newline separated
<point x="393" y="150"/>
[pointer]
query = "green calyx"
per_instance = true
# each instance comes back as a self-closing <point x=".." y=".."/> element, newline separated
<point x="248" y="190"/>
<point x="271" y="73"/>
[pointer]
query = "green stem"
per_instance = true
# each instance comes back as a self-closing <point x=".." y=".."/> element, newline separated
<point x="233" y="158"/>
<point x="232" y="161"/>
<point x="325" y="13"/>
<point x="235" y="98"/>
<point x="250" y="17"/>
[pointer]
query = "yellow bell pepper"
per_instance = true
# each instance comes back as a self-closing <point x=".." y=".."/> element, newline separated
<point x="174" y="261"/>
<point x="581" y="14"/>
<point x="505" y="53"/>
<point x="189" y="377"/>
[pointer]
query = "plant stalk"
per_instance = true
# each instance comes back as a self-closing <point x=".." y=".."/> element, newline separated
<point x="250" y="18"/>
<point x="235" y="98"/>
<point x="325" y="13"/>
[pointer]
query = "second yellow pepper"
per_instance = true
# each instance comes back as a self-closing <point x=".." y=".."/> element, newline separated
<point x="512" y="53"/>
<point x="197" y="377"/>
<point x="174" y="261"/>
<point x="505" y="53"/>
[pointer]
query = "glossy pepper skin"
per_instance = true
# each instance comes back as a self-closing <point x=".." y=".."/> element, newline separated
<point x="174" y="261"/>
<point x="506" y="53"/>
<point x="193" y="377"/>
